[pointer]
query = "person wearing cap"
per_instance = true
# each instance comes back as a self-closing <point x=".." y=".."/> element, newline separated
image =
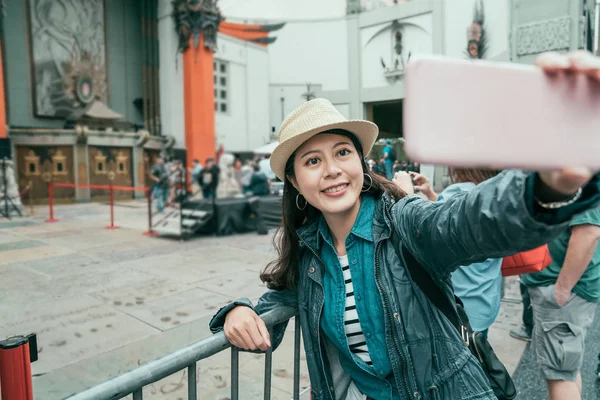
<point x="369" y="332"/>
<point x="388" y="161"/>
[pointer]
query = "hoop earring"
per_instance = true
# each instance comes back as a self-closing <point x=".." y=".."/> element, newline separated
<point x="370" y="184"/>
<point x="298" y="205"/>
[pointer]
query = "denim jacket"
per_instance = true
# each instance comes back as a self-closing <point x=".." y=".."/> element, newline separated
<point x="428" y="357"/>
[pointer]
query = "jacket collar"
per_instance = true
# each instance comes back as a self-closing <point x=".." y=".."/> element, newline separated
<point x="368" y="225"/>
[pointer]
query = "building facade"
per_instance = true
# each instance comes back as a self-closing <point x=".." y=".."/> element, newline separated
<point x="91" y="96"/>
<point x="81" y="90"/>
<point x="94" y="90"/>
<point x="241" y="87"/>
<point x="357" y="59"/>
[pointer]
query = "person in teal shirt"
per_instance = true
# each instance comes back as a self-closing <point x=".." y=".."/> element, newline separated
<point x="479" y="285"/>
<point x="564" y="298"/>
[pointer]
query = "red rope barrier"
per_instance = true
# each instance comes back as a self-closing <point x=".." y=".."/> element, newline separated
<point x="107" y="187"/>
<point x="111" y="190"/>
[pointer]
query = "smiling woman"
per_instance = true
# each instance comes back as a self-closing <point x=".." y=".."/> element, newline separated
<point x="369" y="331"/>
<point x="326" y="176"/>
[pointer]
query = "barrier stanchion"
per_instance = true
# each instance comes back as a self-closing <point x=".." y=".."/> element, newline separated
<point x="150" y="232"/>
<point x="112" y="208"/>
<point x="111" y="188"/>
<point x="16" y="357"/>
<point x="51" y="202"/>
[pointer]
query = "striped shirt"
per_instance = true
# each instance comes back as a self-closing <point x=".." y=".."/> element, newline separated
<point x="354" y="333"/>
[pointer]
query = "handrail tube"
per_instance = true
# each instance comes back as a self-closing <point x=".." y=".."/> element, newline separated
<point x="154" y="371"/>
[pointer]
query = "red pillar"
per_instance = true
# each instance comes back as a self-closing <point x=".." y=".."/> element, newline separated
<point x="199" y="100"/>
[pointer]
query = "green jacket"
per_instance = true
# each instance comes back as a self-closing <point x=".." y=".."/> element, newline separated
<point x="429" y="359"/>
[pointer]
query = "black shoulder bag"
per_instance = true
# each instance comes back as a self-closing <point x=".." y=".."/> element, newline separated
<point x="500" y="380"/>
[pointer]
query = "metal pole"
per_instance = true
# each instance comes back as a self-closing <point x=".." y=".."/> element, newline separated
<point x="112" y="207"/>
<point x="268" y="367"/>
<point x="138" y="395"/>
<point x="51" y="202"/>
<point x="5" y="188"/>
<point x="235" y="373"/>
<point x="296" y="392"/>
<point x="192" y="382"/>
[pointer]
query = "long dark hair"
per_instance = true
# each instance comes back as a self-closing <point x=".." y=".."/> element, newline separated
<point x="282" y="273"/>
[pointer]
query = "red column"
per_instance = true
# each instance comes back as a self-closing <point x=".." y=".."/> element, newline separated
<point x="199" y="100"/>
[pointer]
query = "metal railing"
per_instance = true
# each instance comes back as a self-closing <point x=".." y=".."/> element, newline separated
<point x="134" y="381"/>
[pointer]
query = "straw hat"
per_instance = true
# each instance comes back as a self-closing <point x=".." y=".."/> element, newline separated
<point x="310" y="119"/>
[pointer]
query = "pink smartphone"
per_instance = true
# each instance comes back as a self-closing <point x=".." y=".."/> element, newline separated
<point x="476" y="113"/>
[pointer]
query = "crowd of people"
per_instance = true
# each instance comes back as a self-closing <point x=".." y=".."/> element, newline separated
<point x="254" y="177"/>
<point x="168" y="178"/>
<point x="370" y="266"/>
<point x="389" y="163"/>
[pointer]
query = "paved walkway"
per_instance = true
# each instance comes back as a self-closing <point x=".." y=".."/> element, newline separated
<point x="104" y="301"/>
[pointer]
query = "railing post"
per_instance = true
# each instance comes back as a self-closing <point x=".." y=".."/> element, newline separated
<point x="296" y="392"/>
<point x="149" y="232"/>
<point x="112" y="207"/>
<point x="268" y="369"/>
<point x="235" y="376"/>
<point x="192" y="382"/>
<point x="51" y="202"/>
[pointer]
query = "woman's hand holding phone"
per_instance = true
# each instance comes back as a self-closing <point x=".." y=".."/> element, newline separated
<point x="568" y="180"/>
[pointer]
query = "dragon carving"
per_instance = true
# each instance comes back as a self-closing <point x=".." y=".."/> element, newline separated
<point x="194" y="18"/>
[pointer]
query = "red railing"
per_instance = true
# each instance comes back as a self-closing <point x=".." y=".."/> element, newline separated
<point x="111" y="189"/>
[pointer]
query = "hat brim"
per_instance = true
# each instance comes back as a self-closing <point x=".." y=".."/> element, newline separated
<point x="365" y="131"/>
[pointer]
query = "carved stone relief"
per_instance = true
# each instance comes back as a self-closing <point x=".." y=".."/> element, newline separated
<point x="550" y="35"/>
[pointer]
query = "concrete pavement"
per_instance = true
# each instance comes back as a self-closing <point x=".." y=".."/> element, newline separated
<point x="104" y="301"/>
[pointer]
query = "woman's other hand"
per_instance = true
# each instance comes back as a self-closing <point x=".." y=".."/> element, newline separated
<point x="403" y="180"/>
<point x="423" y="185"/>
<point x="246" y="330"/>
